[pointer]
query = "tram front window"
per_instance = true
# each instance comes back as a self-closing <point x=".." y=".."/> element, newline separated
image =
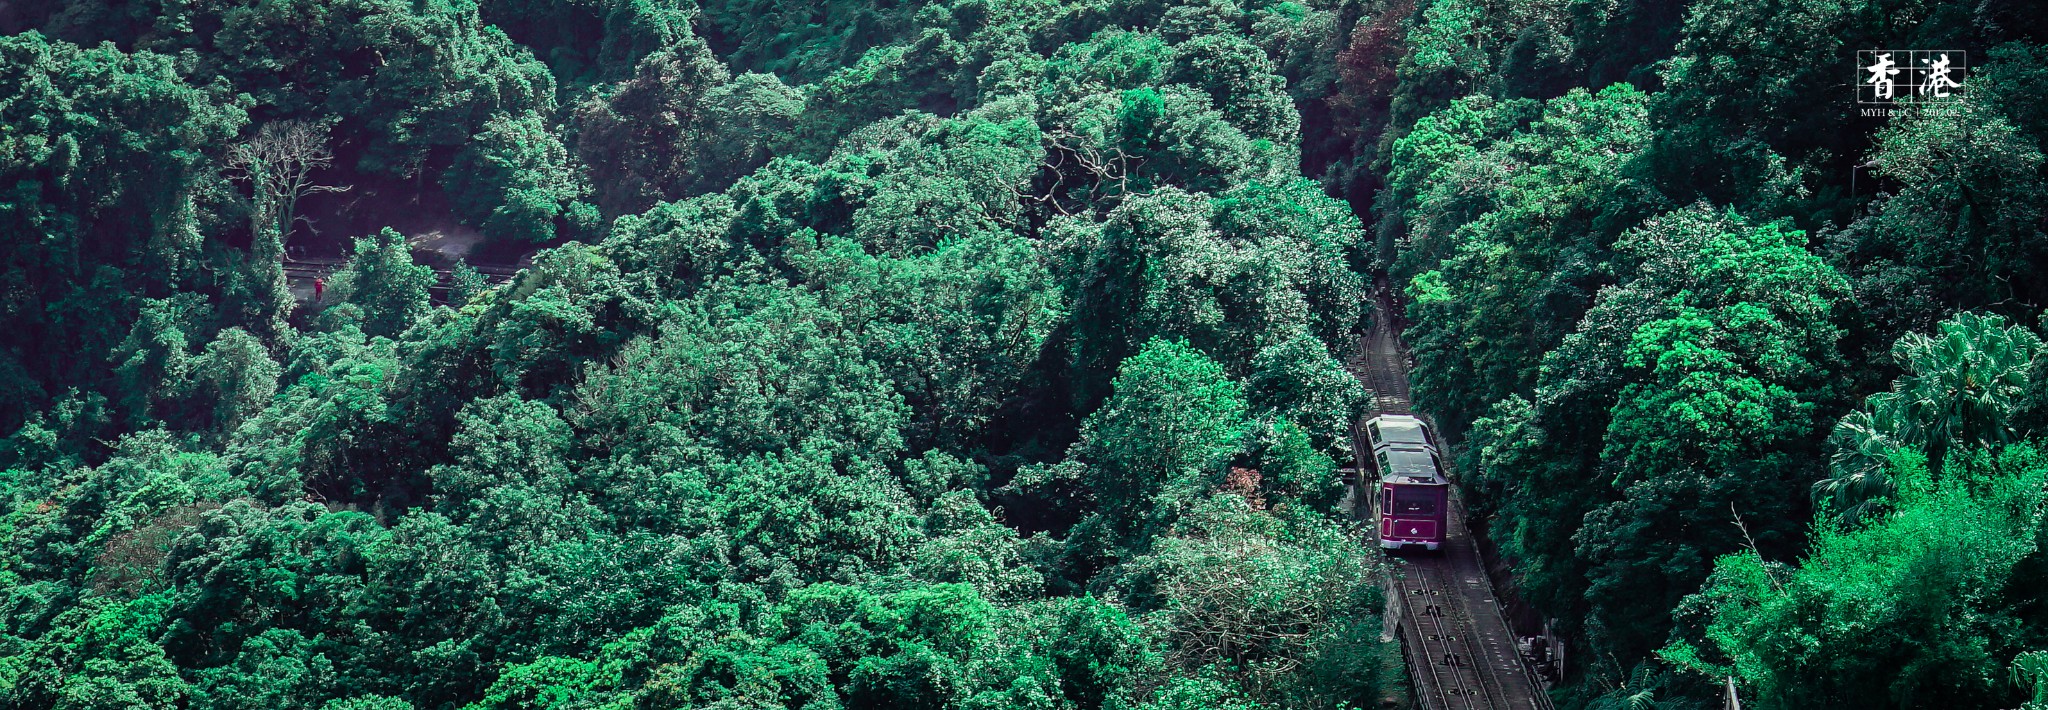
<point x="1414" y="500"/>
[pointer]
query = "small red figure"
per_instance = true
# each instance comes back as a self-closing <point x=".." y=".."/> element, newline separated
<point x="319" y="286"/>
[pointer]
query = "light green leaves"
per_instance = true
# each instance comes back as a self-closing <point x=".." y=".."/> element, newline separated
<point x="1161" y="441"/>
<point x="514" y="181"/>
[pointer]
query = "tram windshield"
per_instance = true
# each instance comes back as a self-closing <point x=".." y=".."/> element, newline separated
<point x="1414" y="500"/>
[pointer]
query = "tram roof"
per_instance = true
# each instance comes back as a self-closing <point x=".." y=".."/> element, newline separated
<point x="1397" y="422"/>
<point x="1400" y="429"/>
<point x="1407" y="462"/>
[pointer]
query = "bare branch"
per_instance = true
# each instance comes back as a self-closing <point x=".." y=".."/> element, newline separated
<point x="279" y="163"/>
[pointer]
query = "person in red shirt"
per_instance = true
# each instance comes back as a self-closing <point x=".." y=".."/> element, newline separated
<point x="319" y="287"/>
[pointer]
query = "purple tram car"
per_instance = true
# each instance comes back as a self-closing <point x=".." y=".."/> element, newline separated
<point x="1414" y="494"/>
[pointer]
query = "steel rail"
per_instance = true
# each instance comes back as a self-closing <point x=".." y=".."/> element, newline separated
<point x="1482" y="681"/>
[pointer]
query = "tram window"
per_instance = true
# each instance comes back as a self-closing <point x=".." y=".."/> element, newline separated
<point x="1383" y="500"/>
<point x="1414" y="500"/>
<point x="1374" y="429"/>
<point x="1385" y="467"/>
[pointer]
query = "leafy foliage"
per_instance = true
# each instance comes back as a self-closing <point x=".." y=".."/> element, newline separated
<point x="760" y="433"/>
<point x="991" y="354"/>
<point x="1645" y="311"/>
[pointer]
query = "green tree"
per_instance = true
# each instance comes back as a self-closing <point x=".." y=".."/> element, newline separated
<point x="648" y="133"/>
<point x="515" y="181"/>
<point x="1241" y="80"/>
<point x="1161" y="441"/>
<point x="411" y="81"/>
<point x="110" y="193"/>
<point x="1752" y="154"/>
<point x="1297" y="381"/>
<point x="1962" y="229"/>
<point x="1968" y="388"/>
<point x="382" y="282"/>
<point x="957" y="328"/>
<point x="511" y="479"/>
<point x="1276" y="602"/>
<point x="1689" y="391"/>
<point x="1507" y="242"/>
<point x="156" y="363"/>
<point x="1915" y="605"/>
<point x="237" y="376"/>
<point x="1158" y="266"/>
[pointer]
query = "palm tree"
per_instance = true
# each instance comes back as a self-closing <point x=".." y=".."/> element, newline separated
<point x="2030" y="671"/>
<point x="1864" y="442"/>
<point x="1965" y="386"/>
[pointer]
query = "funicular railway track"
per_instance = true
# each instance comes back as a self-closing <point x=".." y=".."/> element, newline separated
<point x="1460" y="651"/>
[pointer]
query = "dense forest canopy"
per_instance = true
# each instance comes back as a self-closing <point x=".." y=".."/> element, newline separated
<point x="989" y="353"/>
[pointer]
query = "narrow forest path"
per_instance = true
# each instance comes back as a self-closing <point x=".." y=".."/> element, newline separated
<point x="300" y="272"/>
<point x="1460" y="650"/>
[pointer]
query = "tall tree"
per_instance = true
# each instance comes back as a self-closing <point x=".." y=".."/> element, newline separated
<point x="387" y="291"/>
<point x="1688" y="395"/>
<point x="1968" y="387"/>
<point x="1508" y="235"/>
<point x="110" y="193"/>
<point x="1162" y="440"/>
<point x="279" y="163"/>
<point x="515" y="181"/>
